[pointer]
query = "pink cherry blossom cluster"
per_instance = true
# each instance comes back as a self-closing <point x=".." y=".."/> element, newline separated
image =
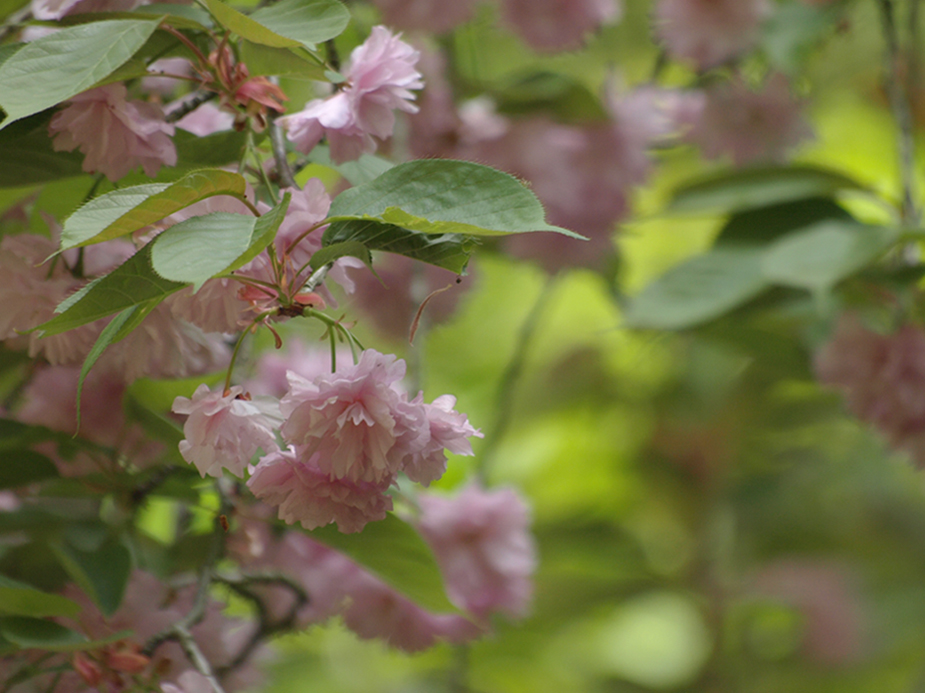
<point x="882" y="377"/>
<point x="347" y="435"/>
<point x="379" y="81"/>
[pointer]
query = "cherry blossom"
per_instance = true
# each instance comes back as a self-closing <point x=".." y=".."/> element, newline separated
<point x="115" y="135"/>
<point x="555" y="25"/>
<point x="379" y="80"/>
<point x="436" y="16"/>
<point x="224" y="429"/>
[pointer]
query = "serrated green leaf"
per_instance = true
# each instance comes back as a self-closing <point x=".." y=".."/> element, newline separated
<point x="247" y="28"/>
<point x="26" y="150"/>
<point x="309" y="22"/>
<point x="338" y="250"/>
<point x="102" y="212"/>
<point x="56" y="67"/>
<point x="759" y="187"/>
<point x="196" y="249"/>
<point x="127" y="210"/>
<point x="106" y="337"/>
<point x="21" y="467"/>
<point x="701" y="289"/>
<point x="396" y="553"/>
<point x="441" y="196"/>
<point x="820" y="256"/>
<point x="20" y="599"/>
<point x="365" y="169"/>
<point x="102" y="573"/>
<point x="264" y="232"/>
<point x="192" y="14"/>
<point x="266" y="60"/>
<point x="131" y="283"/>
<point x="450" y="251"/>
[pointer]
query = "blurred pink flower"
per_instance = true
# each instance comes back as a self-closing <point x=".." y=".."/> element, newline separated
<point x="882" y="378"/>
<point x="189" y="682"/>
<point x="750" y="126"/>
<point x="483" y="544"/>
<point x="304" y="493"/>
<point x="216" y="307"/>
<point x="435" y="16"/>
<point x="557" y="25"/>
<point x="449" y="430"/>
<point x="205" y="120"/>
<point x="378" y="611"/>
<point x="115" y="135"/>
<point x="56" y="9"/>
<point x="309" y="362"/>
<point x="709" y="32"/>
<point x="379" y="80"/>
<point x="224" y="430"/>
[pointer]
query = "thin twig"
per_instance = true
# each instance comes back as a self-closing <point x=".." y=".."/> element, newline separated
<point x="191" y="104"/>
<point x="195" y="656"/>
<point x="902" y="113"/>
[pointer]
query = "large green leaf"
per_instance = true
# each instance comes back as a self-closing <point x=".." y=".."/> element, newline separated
<point x="58" y="66"/>
<point x="125" y="211"/>
<point x="701" y="289"/>
<point x="131" y="283"/>
<point x="266" y="60"/>
<point x="396" y="553"/>
<point x="766" y="224"/>
<point x="22" y="466"/>
<point x="36" y="633"/>
<point x="820" y="256"/>
<point x="441" y="196"/>
<point x="102" y="572"/>
<point x="309" y="22"/>
<point x="20" y="599"/>
<point x="759" y="187"/>
<point x="218" y="149"/>
<point x="448" y="250"/>
<point x="365" y="169"/>
<point x="247" y="28"/>
<point x="28" y="156"/>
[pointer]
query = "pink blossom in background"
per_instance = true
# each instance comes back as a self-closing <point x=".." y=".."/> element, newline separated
<point x="449" y="430"/>
<point x="216" y="307"/>
<point x="224" y="430"/>
<point x="269" y="377"/>
<point x="378" y="611"/>
<point x="748" y="126"/>
<point x="482" y="541"/>
<point x="379" y="80"/>
<point x="882" y="378"/>
<point x="557" y="25"/>
<point x="205" y="120"/>
<point x="436" y="16"/>
<point x="166" y="86"/>
<point x="709" y="32"/>
<point x="433" y="126"/>
<point x="56" y="9"/>
<point x="115" y="135"/>
<point x="827" y="594"/>
<point x="304" y="493"/>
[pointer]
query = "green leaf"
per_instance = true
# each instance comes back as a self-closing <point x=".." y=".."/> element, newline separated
<point x="701" y="289"/>
<point x="195" y="17"/>
<point x="264" y="232"/>
<point x="20" y="599"/>
<point x="265" y="60"/>
<point x="449" y="250"/>
<point x="563" y="97"/>
<point x="767" y="224"/>
<point x="396" y="553"/>
<point x="103" y="212"/>
<point x="759" y="187"/>
<point x="131" y="283"/>
<point x="365" y="169"/>
<point x="196" y="249"/>
<point x="56" y="67"/>
<point x="101" y="573"/>
<point x="125" y="211"/>
<point x="441" y="196"/>
<point x="309" y="22"/>
<point x="793" y="29"/>
<point x="820" y="256"/>
<point x="40" y="634"/>
<point x="338" y="250"/>
<point x="247" y="28"/>
<point x="26" y="150"/>
<point x="21" y="467"/>
<point x="217" y="149"/>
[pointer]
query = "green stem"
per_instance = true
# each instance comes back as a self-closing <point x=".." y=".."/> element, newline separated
<point x="234" y="357"/>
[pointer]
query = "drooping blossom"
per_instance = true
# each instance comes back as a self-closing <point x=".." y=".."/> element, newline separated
<point x="709" y="32"/>
<point x="557" y="25"/>
<point x="483" y="544"/>
<point x="379" y="81"/>
<point x="224" y="429"/>
<point x="378" y="611"/>
<point x="304" y="493"/>
<point x="882" y="377"/>
<point x="115" y="135"/>
<point x="747" y="125"/>
<point x="449" y="430"/>
<point x="434" y="16"/>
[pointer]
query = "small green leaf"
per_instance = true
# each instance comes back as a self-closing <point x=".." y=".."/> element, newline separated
<point x="766" y="224"/>
<point x="441" y="196"/>
<point x="365" y="169"/>
<point x="20" y="599"/>
<point x="338" y="250"/>
<point x="247" y="28"/>
<point x="196" y="249"/>
<point x="265" y="60"/>
<point x="127" y="210"/>
<point x="397" y="554"/>
<point x="820" y="256"/>
<point x="759" y="187"/>
<point x="102" y="573"/>
<point x="21" y="467"/>
<point x="309" y="22"/>
<point x="56" y="67"/>
<point x="40" y="634"/>
<point x="218" y="149"/>
<point x="264" y="232"/>
<point x="701" y="289"/>
<point x="131" y="283"/>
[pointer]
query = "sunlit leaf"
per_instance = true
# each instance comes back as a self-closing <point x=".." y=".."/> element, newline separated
<point x="307" y="21"/>
<point x="104" y="211"/>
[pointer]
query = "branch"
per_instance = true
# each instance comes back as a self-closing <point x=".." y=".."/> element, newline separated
<point x="198" y="98"/>
<point x="195" y="656"/>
